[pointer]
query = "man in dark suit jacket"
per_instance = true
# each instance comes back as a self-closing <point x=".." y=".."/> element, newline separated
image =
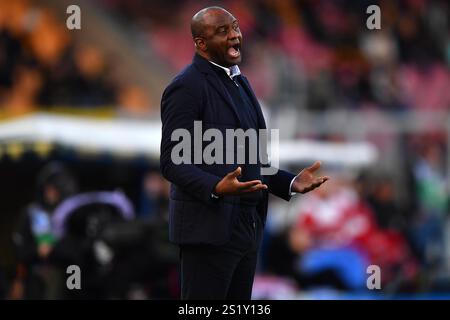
<point x="217" y="211"/>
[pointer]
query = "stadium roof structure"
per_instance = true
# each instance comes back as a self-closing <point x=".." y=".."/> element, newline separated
<point x="135" y="137"/>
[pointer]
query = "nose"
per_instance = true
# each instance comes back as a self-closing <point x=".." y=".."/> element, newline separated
<point x="233" y="34"/>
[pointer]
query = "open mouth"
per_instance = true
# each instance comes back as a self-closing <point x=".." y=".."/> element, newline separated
<point x="234" y="51"/>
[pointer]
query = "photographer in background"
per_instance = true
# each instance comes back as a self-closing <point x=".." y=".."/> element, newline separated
<point x="34" y="237"/>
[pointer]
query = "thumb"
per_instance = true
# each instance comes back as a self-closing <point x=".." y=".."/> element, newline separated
<point x="315" y="166"/>
<point x="236" y="173"/>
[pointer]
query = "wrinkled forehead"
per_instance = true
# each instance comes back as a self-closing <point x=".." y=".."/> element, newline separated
<point x="216" y="18"/>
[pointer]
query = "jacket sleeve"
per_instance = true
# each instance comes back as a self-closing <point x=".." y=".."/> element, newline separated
<point x="180" y="107"/>
<point x="279" y="184"/>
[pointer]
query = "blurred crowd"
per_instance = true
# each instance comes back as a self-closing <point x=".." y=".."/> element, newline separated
<point x="319" y="55"/>
<point x="121" y="247"/>
<point x="43" y="65"/>
<point x="323" y="240"/>
<point x="311" y="55"/>
<point x="330" y="237"/>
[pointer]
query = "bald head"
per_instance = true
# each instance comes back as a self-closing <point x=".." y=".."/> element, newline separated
<point x="205" y="17"/>
<point x="217" y="36"/>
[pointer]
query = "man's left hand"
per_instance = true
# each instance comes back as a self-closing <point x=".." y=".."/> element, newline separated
<point x="305" y="180"/>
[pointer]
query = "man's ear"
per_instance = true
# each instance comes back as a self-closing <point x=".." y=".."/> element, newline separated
<point x="200" y="44"/>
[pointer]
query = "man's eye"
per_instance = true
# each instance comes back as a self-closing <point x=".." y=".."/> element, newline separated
<point x="236" y="27"/>
<point x="222" y="30"/>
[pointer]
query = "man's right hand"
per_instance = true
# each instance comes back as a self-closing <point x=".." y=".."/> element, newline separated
<point x="231" y="186"/>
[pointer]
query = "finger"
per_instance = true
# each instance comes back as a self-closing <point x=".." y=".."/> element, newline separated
<point x="315" y="166"/>
<point x="315" y="185"/>
<point x="248" y="184"/>
<point x="255" y="188"/>
<point x="305" y="190"/>
<point x="322" y="180"/>
<point x="236" y="173"/>
<point x="318" y="182"/>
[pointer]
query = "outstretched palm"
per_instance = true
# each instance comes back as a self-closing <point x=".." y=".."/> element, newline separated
<point x="305" y="180"/>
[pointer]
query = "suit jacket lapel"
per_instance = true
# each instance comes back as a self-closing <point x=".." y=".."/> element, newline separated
<point x="216" y="83"/>
<point x="261" y="121"/>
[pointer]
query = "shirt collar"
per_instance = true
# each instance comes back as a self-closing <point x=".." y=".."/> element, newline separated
<point x="232" y="71"/>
